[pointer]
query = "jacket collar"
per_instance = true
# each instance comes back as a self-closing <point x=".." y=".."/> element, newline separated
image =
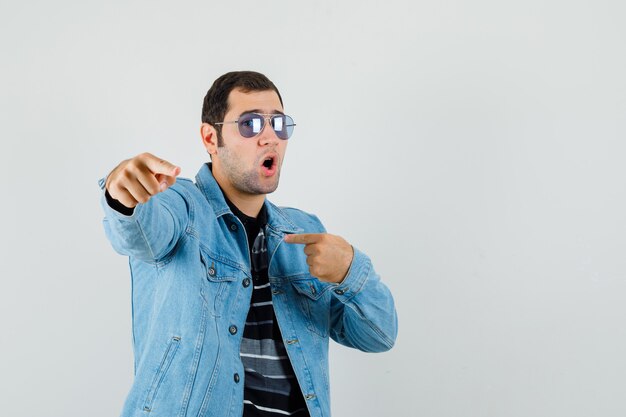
<point x="205" y="181"/>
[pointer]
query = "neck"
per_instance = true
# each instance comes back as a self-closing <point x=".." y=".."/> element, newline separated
<point x="248" y="204"/>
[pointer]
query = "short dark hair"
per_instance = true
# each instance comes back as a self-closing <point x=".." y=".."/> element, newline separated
<point x="215" y="103"/>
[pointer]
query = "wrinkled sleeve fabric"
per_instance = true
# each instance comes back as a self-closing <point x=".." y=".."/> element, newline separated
<point x="150" y="232"/>
<point x="363" y="313"/>
<point x="362" y="310"/>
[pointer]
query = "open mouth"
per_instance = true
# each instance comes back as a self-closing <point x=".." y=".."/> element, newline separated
<point x="268" y="162"/>
<point x="268" y="166"/>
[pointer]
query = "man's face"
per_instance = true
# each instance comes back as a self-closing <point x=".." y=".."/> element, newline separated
<point x="243" y="162"/>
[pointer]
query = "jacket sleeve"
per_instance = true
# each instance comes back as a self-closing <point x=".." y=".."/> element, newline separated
<point x="363" y="314"/>
<point x="152" y="230"/>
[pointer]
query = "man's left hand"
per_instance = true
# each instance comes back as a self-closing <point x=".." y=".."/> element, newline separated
<point x="328" y="256"/>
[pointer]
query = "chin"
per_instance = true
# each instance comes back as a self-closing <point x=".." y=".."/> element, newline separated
<point x="270" y="188"/>
<point x="257" y="187"/>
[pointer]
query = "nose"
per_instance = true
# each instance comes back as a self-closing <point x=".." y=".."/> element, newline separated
<point x="267" y="134"/>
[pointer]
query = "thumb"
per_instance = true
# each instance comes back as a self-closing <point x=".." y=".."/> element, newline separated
<point x="166" y="181"/>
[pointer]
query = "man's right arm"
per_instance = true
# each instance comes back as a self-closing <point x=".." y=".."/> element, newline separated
<point x="141" y="220"/>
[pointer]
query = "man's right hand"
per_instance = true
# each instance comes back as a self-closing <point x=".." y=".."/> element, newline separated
<point x="136" y="180"/>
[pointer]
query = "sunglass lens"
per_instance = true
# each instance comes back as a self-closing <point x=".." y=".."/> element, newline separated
<point x="283" y="126"/>
<point x="250" y="124"/>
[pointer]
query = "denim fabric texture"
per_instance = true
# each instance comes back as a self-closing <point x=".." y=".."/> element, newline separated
<point x="188" y="257"/>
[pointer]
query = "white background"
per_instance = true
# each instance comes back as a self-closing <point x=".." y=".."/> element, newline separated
<point x="474" y="149"/>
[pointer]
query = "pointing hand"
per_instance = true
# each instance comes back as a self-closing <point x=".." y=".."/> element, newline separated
<point x="136" y="180"/>
<point x="328" y="256"/>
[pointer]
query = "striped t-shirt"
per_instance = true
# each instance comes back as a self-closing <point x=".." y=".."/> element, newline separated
<point x="270" y="385"/>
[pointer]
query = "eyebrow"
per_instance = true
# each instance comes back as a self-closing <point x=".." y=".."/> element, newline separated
<point x="260" y="111"/>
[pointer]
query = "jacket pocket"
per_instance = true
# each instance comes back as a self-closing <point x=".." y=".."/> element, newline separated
<point x="314" y="301"/>
<point x="166" y="360"/>
<point x="219" y="278"/>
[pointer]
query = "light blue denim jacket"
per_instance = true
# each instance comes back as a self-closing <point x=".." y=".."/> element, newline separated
<point x="188" y="258"/>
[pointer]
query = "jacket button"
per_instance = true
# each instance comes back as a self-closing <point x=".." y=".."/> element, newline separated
<point x="211" y="271"/>
<point x="232" y="329"/>
<point x="339" y="291"/>
<point x="236" y="378"/>
<point x="233" y="227"/>
<point x="246" y="282"/>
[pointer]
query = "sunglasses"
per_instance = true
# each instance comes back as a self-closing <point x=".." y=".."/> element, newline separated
<point x="251" y="124"/>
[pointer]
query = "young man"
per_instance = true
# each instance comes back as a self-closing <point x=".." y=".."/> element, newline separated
<point x="234" y="299"/>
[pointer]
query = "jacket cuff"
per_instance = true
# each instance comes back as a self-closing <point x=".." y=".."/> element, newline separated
<point x="355" y="279"/>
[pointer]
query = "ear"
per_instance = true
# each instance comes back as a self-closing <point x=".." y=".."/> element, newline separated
<point x="209" y="138"/>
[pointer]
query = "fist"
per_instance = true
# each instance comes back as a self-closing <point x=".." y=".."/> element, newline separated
<point x="328" y="256"/>
<point x="136" y="180"/>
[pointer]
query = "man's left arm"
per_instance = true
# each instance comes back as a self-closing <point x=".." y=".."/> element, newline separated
<point x="363" y="314"/>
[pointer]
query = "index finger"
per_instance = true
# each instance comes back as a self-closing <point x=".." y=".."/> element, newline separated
<point x="303" y="238"/>
<point x="161" y="166"/>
